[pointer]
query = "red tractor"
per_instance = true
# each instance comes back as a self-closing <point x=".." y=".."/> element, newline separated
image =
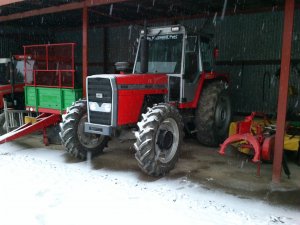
<point x="11" y="85"/>
<point x="173" y="88"/>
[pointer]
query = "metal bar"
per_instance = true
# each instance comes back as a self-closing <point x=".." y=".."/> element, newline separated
<point x="34" y="77"/>
<point x="47" y="60"/>
<point x="283" y="88"/>
<point x="54" y="70"/>
<point x="5" y="115"/>
<point x="85" y="21"/>
<point x="59" y="8"/>
<point x="59" y="79"/>
<point x="73" y="65"/>
<point x="25" y="62"/>
<point x="8" y="2"/>
<point x="54" y="44"/>
<point x="56" y="86"/>
<point x="30" y="128"/>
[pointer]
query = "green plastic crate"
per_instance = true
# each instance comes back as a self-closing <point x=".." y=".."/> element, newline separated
<point x="51" y="98"/>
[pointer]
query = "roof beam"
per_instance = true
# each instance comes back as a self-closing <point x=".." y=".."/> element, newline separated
<point x="8" y="2"/>
<point x="57" y="9"/>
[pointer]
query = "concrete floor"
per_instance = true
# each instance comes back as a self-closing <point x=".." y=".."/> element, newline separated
<point x="234" y="174"/>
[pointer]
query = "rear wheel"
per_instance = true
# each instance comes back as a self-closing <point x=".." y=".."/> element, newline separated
<point x="159" y="139"/>
<point x="213" y="114"/>
<point x="77" y="142"/>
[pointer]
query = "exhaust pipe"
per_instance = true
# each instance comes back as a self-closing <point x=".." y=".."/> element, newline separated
<point x="144" y="50"/>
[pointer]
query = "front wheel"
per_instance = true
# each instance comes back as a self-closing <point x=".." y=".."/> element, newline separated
<point x="159" y="139"/>
<point x="76" y="141"/>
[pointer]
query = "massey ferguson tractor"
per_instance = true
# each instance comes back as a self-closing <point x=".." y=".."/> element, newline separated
<point x="173" y="89"/>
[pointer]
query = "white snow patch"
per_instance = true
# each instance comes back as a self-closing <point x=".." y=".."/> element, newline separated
<point x="39" y="187"/>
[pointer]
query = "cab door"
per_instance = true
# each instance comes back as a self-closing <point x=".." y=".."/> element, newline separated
<point x="197" y="59"/>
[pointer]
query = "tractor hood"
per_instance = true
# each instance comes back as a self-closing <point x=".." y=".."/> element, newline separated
<point x="137" y="81"/>
<point x="144" y="81"/>
<point x="124" y="96"/>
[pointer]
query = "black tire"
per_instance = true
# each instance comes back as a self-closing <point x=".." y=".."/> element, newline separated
<point x="2" y="123"/>
<point x="213" y="114"/>
<point x="75" y="140"/>
<point x="159" y="139"/>
<point x="53" y="134"/>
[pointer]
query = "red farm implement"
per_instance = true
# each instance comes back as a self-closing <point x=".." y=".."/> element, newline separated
<point x="49" y="87"/>
<point x="257" y="137"/>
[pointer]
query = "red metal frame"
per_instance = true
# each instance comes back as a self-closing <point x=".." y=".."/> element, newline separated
<point x="43" y="121"/>
<point x="262" y="144"/>
<point x="28" y="54"/>
<point x="283" y="87"/>
<point x="8" y="2"/>
<point x="59" y="8"/>
<point x="45" y="110"/>
<point x="251" y="140"/>
<point x="245" y="133"/>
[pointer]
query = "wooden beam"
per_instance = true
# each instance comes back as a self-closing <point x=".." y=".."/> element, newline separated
<point x="283" y="87"/>
<point x="59" y="8"/>
<point x="8" y="2"/>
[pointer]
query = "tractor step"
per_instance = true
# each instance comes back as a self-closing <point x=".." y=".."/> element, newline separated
<point x="42" y="122"/>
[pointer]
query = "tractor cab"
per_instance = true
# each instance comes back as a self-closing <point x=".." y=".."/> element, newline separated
<point x="12" y="81"/>
<point x="12" y="70"/>
<point x="182" y="56"/>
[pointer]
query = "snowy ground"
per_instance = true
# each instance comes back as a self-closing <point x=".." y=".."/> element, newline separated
<point x="38" y="187"/>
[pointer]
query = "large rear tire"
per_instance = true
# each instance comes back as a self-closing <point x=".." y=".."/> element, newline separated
<point x="213" y="114"/>
<point x="75" y="140"/>
<point x="159" y="139"/>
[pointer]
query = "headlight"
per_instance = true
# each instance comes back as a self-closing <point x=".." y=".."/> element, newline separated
<point x="93" y="106"/>
<point x="105" y="107"/>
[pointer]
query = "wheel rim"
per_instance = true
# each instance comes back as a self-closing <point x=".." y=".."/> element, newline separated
<point x="222" y="114"/>
<point x="86" y="139"/>
<point x="167" y="148"/>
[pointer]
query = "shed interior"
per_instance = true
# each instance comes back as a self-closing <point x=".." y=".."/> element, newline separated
<point x="247" y="33"/>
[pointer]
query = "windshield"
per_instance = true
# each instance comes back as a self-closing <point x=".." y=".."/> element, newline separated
<point x="165" y="53"/>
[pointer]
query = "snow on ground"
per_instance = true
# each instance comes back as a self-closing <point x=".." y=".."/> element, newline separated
<point x="39" y="188"/>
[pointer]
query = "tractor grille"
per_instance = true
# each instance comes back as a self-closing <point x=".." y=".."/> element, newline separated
<point x="96" y="87"/>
